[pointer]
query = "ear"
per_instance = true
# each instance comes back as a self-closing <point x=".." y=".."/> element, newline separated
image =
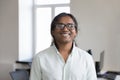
<point x="76" y="34"/>
<point x="52" y="33"/>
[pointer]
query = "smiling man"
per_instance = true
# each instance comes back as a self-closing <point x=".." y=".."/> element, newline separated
<point x="63" y="60"/>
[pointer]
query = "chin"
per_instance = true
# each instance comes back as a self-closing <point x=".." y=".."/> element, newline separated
<point x="66" y="41"/>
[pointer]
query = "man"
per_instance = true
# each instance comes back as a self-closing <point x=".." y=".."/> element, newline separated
<point x="63" y="60"/>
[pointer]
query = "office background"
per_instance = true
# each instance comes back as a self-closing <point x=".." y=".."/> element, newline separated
<point x="99" y="23"/>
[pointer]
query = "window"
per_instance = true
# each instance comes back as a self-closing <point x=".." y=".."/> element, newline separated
<point x="45" y="10"/>
<point x="34" y="24"/>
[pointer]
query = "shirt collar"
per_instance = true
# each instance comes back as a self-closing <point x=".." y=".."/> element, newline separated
<point x="73" y="49"/>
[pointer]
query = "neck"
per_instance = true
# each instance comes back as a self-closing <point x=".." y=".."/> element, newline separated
<point x="65" y="47"/>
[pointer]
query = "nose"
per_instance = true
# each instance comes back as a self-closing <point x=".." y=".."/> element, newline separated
<point x="65" y="28"/>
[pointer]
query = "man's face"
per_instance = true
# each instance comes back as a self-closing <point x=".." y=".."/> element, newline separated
<point x="65" y="31"/>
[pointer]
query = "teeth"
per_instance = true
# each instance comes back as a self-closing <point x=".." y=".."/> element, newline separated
<point x="65" y="35"/>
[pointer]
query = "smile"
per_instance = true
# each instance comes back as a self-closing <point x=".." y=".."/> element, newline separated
<point x="65" y="34"/>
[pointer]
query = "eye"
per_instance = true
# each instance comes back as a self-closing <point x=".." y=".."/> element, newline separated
<point x="71" y="25"/>
<point x="60" y="26"/>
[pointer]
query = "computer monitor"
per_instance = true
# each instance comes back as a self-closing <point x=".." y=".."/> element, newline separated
<point x="102" y="59"/>
<point x="99" y="64"/>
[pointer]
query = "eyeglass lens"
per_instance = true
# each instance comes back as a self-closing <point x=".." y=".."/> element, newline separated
<point x="61" y="26"/>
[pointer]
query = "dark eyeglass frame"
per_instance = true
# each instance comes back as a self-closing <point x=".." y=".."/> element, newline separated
<point x="61" y="26"/>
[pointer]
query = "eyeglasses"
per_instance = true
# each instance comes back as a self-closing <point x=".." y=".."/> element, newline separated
<point x="69" y="26"/>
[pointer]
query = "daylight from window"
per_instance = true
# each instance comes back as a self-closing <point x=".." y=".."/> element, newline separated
<point x="44" y="2"/>
<point x="35" y="17"/>
<point x="45" y="10"/>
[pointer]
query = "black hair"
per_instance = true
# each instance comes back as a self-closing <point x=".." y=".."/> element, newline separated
<point x="58" y="17"/>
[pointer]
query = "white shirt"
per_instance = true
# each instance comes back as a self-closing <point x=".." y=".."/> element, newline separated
<point x="49" y="65"/>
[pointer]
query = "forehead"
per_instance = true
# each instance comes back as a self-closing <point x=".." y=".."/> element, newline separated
<point x="65" y="19"/>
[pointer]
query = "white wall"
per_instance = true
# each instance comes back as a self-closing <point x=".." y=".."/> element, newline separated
<point x="99" y="22"/>
<point x="8" y="36"/>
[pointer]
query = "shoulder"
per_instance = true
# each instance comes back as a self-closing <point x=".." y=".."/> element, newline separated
<point x="85" y="57"/>
<point x="45" y="53"/>
<point x="82" y="53"/>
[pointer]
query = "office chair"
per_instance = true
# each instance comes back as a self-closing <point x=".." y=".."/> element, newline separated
<point x="19" y="75"/>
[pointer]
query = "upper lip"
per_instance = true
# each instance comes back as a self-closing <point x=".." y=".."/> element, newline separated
<point x="65" y="33"/>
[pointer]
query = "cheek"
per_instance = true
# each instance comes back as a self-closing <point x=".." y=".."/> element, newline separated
<point x="74" y="33"/>
<point x="54" y="34"/>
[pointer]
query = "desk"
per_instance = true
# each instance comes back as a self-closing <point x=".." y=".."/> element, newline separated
<point x="101" y="79"/>
<point x="25" y="62"/>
